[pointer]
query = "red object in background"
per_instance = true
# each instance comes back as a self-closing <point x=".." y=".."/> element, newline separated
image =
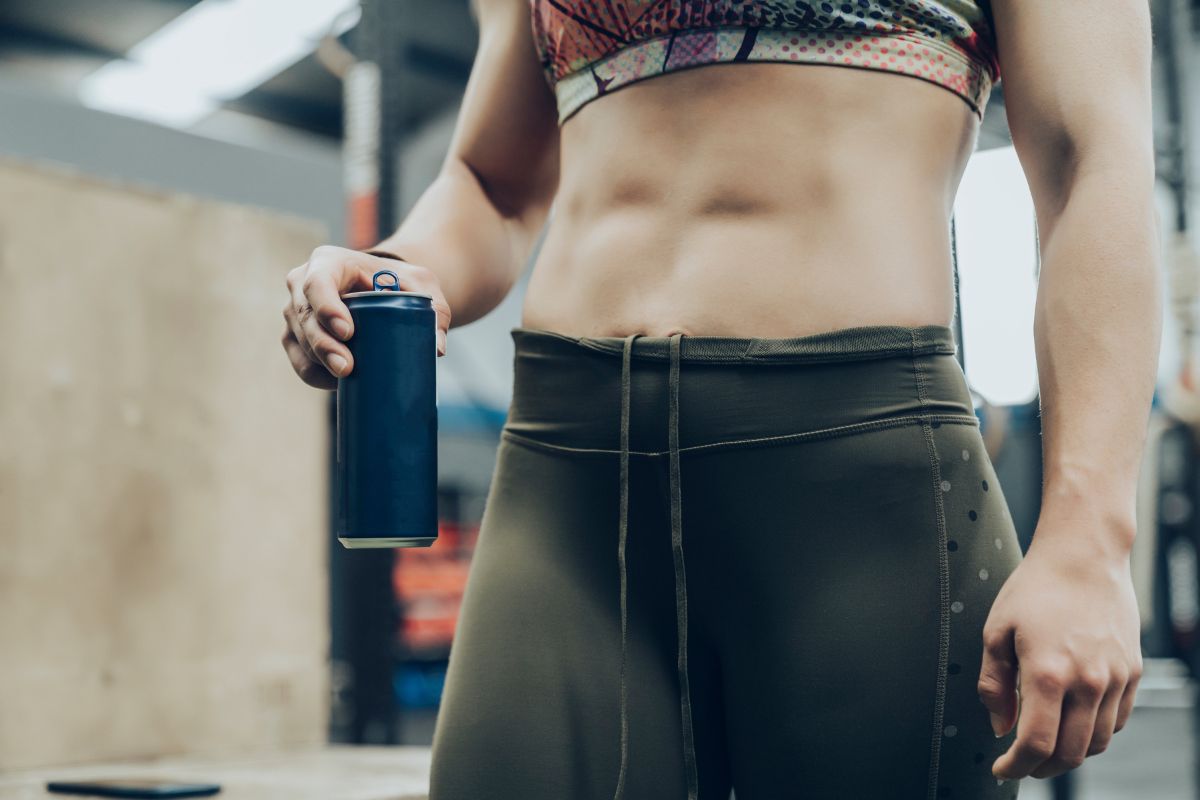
<point x="361" y="220"/>
<point x="428" y="583"/>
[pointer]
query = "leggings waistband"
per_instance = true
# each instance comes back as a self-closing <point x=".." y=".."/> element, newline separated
<point x="567" y="390"/>
<point x="843" y="344"/>
<point x="561" y="401"/>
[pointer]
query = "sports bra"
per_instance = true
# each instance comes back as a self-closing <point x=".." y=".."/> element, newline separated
<point x="589" y="48"/>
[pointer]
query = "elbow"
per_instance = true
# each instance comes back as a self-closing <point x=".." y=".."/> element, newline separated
<point x="1108" y="175"/>
<point x="521" y="203"/>
<point x="518" y="194"/>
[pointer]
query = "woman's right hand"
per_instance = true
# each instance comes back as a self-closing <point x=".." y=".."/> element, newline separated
<point x="318" y="322"/>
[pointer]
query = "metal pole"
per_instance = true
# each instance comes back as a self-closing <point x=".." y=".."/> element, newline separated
<point x="1172" y="31"/>
<point x="1172" y="24"/>
<point x="364" y="619"/>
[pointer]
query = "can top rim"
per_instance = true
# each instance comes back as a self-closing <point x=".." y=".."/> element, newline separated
<point x="387" y="293"/>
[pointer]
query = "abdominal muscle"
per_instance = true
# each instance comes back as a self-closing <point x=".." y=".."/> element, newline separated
<point x="754" y="200"/>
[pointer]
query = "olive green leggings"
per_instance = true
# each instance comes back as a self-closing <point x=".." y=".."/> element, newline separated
<point x="711" y="564"/>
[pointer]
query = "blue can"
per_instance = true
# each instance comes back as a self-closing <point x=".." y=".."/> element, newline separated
<point x="387" y="420"/>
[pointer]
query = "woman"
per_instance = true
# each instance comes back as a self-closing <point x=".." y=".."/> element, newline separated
<point x="743" y="531"/>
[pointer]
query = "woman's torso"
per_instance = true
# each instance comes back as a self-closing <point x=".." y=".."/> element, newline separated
<point x="754" y="199"/>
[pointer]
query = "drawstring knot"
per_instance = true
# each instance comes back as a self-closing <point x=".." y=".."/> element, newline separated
<point x="681" y="623"/>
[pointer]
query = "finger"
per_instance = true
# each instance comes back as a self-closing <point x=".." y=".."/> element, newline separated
<point x="1076" y="729"/>
<point x="1042" y="692"/>
<point x="1106" y="718"/>
<point x="442" y="310"/>
<point x="441" y="339"/>
<point x="297" y="335"/>
<point x="331" y="274"/>
<point x="294" y="278"/>
<point x="326" y="350"/>
<point x="311" y="372"/>
<point x="997" y="685"/>
<point x="1125" y="708"/>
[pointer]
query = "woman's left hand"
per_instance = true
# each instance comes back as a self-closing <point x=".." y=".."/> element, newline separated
<point x="1062" y="640"/>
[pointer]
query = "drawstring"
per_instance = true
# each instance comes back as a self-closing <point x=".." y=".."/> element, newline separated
<point x="685" y="703"/>
<point x="626" y="387"/>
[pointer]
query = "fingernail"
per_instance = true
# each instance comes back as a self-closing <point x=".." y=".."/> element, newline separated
<point x="341" y="328"/>
<point x="337" y="364"/>
<point x="441" y="342"/>
<point x="997" y="724"/>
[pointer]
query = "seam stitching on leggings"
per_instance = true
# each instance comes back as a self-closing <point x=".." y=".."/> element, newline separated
<point x="750" y="356"/>
<point x="824" y="433"/>
<point x="939" y="706"/>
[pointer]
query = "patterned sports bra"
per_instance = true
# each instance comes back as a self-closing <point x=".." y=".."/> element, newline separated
<point x="592" y="47"/>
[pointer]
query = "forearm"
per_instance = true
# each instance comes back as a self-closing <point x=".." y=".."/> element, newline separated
<point x="476" y="251"/>
<point x="1097" y="332"/>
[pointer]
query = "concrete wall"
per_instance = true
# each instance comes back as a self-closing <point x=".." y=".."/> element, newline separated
<point x="163" y="537"/>
<point x="270" y="167"/>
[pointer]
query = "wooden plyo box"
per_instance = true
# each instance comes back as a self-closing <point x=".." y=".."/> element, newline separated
<point x="163" y="486"/>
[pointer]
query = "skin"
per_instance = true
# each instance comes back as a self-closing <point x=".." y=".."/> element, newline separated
<point x="779" y="200"/>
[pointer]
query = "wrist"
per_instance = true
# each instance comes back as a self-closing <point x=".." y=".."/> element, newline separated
<point x="1098" y="525"/>
<point x="1109" y="492"/>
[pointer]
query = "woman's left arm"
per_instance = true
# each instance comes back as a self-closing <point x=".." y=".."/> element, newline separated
<point x="1065" y="627"/>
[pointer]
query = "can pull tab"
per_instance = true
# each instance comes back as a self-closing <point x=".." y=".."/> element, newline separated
<point x="394" y="286"/>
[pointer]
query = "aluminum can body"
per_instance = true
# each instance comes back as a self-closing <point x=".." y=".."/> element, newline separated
<point x="386" y="468"/>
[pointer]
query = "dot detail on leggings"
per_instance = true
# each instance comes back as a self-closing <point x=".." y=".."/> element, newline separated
<point x="979" y="758"/>
<point x="956" y="606"/>
<point x="950" y="730"/>
<point x="945" y="486"/>
<point x="983" y="574"/>
<point x="951" y="545"/>
<point x="972" y="515"/>
<point x="985" y="486"/>
<point x="999" y="544"/>
<point x="966" y="455"/>
<point x="954" y="669"/>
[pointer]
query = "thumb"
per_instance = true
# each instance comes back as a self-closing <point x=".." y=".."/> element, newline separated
<point x="998" y="680"/>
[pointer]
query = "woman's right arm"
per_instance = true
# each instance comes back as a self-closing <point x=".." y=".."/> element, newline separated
<point x="471" y="232"/>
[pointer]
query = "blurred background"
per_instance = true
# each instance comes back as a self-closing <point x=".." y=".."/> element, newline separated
<point x="170" y="587"/>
